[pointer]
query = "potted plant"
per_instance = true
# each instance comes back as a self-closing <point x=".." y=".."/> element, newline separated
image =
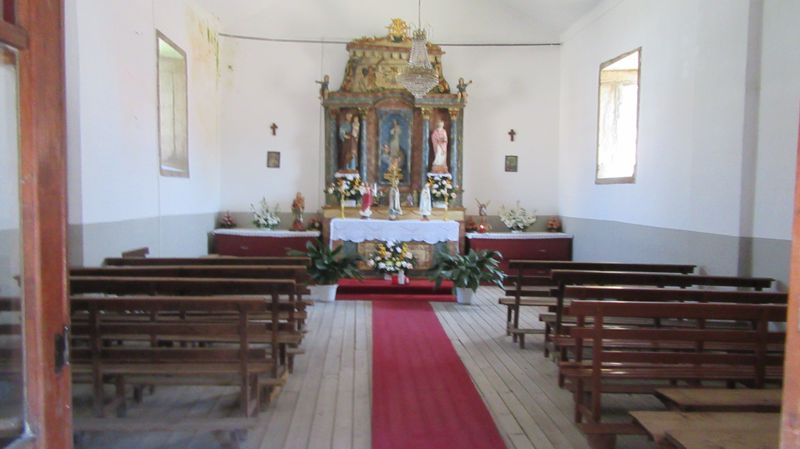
<point x="326" y="267"/>
<point x="468" y="272"/>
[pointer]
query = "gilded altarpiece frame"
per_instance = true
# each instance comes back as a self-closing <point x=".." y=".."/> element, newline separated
<point x="370" y="93"/>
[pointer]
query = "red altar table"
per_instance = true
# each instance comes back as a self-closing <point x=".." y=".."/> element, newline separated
<point x="523" y="245"/>
<point x="260" y="242"/>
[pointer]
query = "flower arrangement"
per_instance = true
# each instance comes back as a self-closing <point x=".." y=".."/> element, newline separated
<point x="263" y="217"/>
<point x="441" y="188"/>
<point x="391" y="257"/>
<point x="347" y="185"/>
<point x="517" y="218"/>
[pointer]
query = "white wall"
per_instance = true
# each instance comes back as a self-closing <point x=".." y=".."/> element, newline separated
<point x="690" y="120"/>
<point x="9" y="173"/>
<point x="112" y="125"/>
<point x="779" y="115"/>
<point x="265" y="82"/>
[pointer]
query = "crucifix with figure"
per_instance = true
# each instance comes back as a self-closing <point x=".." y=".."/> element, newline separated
<point x="512" y="134"/>
<point x="274" y="128"/>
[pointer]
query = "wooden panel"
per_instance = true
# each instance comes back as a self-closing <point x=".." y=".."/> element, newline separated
<point x="658" y="424"/>
<point x="248" y="246"/>
<point x="44" y="224"/>
<point x="761" y="438"/>
<point x="9" y="11"/>
<point x="713" y="399"/>
<point x="790" y="428"/>
<point x="13" y="35"/>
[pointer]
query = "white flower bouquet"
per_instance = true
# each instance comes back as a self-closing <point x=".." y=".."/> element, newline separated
<point x="391" y="257"/>
<point x="441" y="188"/>
<point x="348" y="186"/>
<point x="517" y="219"/>
<point x="263" y="217"/>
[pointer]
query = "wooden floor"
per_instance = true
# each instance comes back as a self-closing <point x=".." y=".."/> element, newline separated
<point x="326" y="403"/>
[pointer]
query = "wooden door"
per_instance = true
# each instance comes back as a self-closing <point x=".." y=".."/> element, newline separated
<point x="33" y="243"/>
<point x="790" y="426"/>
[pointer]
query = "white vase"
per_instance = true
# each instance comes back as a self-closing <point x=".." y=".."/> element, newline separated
<point x="323" y="293"/>
<point x="464" y="295"/>
<point x="349" y="203"/>
<point x="439" y="204"/>
<point x="387" y="276"/>
<point x="401" y="277"/>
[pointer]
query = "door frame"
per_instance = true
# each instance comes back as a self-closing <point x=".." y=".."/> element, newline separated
<point x="36" y="29"/>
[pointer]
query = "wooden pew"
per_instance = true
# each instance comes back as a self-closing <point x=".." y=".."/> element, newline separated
<point x="711" y="430"/>
<point x="536" y="273"/>
<point x="290" y="335"/>
<point x="297" y="272"/>
<point x="720" y="399"/>
<point x="137" y="327"/>
<point x="640" y="367"/>
<point x="210" y="260"/>
<point x="565" y="278"/>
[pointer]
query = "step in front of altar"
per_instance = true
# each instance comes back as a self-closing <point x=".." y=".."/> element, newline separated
<point x="379" y="289"/>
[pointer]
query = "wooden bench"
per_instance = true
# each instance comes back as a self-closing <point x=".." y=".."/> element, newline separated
<point x="210" y="260"/>
<point x="297" y="272"/>
<point x="721" y="399"/>
<point x="124" y="340"/>
<point x="710" y="430"/>
<point x="643" y="369"/>
<point x="536" y="273"/>
<point x="566" y="278"/>
<point x="290" y="333"/>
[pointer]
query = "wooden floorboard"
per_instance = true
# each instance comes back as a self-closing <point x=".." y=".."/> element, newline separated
<point x="326" y="402"/>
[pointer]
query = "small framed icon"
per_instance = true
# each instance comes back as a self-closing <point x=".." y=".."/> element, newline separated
<point x="511" y="163"/>
<point x="273" y="159"/>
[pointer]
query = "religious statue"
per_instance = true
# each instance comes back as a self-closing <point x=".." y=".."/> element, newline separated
<point x="393" y="175"/>
<point x="298" y="207"/>
<point x="439" y="140"/>
<point x="367" y="195"/>
<point x="462" y="89"/>
<point x="483" y="212"/>
<point x="410" y="199"/>
<point x="349" y="130"/>
<point x="425" y="204"/>
<point x="323" y="87"/>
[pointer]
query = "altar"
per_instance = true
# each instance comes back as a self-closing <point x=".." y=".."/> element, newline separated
<point x="424" y="238"/>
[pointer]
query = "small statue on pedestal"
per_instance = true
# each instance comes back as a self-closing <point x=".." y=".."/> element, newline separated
<point x="367" y="195"/>
<point x="298" y="207"/>
<point x="425" y="204"/>
<point x="483" y="212"/>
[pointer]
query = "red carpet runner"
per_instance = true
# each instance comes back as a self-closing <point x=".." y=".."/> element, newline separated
<point x="422" y="395"/>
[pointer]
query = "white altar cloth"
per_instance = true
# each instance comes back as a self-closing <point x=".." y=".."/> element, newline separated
<point x="355" y="230"/>
<point x="254" y="232"/>
<point x="517" y="235"/>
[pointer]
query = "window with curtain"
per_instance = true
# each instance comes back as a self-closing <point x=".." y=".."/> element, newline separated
<point x="618" y="119"/>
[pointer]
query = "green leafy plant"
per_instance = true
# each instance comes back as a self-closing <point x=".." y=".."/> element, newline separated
<point x="469" y="271"/>
<point x="327" y="266"/>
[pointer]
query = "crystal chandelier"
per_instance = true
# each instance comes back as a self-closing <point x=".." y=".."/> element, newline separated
<point x="419" y="77"/>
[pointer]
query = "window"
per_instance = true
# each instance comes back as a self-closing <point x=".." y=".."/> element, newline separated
<point x="618" y="119"/>
<point x="172" y="109"/>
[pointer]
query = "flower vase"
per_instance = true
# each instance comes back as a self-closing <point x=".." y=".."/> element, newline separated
<point x="401" y="278"/>
<point x="349" y="203"/>
<point x="439" y="204"/>
<point x="387" y="277"/>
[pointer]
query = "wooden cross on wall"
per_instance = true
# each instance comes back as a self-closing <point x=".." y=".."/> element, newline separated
<point x="511" y="134"/>
<point x="274" y="128"/>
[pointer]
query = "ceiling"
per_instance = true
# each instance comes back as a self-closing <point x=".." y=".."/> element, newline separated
<point x="448" y="21"/>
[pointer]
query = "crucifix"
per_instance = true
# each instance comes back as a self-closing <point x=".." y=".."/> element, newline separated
<point x="511" y="134"/>
<point x="273" y="127"/>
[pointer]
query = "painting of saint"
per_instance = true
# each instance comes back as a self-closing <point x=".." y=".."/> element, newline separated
<point x="394" y="142"/>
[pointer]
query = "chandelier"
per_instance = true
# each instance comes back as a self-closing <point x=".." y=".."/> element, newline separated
<point x="419" y="77"/>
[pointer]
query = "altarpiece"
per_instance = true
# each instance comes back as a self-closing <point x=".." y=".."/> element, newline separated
<point x="373" y="124"/>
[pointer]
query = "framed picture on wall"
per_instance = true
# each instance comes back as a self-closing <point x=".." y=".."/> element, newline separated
<point x="511" y="163"/>
<point x="273" y="159"/>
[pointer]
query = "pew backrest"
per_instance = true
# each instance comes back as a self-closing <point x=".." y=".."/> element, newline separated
<point x="127" y="285"/>
<point x="216" y="260"/>
<point x="652" y="294"/>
